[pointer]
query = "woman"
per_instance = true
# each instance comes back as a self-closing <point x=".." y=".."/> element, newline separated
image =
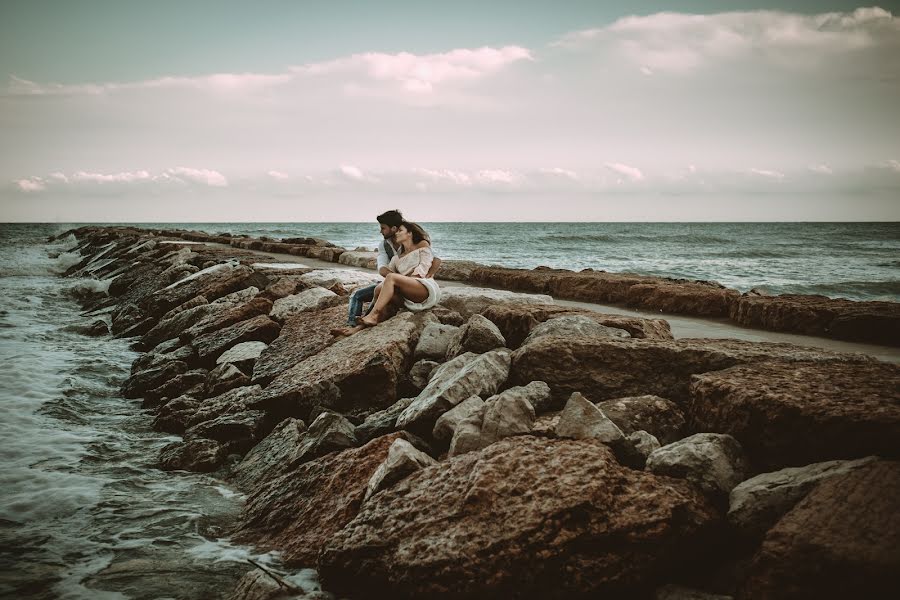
<point x="407" y="282"/>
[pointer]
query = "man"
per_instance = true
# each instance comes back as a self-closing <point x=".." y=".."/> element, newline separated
<point x="388" y="222"/>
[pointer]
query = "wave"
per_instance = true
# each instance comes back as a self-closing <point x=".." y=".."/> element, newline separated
<point x="867" y="290"/>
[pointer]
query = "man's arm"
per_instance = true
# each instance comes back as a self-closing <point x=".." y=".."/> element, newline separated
<point x="382" y="261"/>
<point x="435" y="265"/>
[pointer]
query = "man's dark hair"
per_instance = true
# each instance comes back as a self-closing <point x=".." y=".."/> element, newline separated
<point x="391" y="218"/>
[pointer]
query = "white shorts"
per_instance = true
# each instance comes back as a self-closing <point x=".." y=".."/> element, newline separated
<point x="434" y="296"/>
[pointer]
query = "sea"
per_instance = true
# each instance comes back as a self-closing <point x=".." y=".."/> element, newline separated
<point x="84" y="512"/>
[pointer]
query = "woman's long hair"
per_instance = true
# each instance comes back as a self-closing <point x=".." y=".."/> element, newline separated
<point x="418" y="234"/>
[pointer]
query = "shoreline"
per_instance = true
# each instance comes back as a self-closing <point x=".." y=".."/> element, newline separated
<point x="474" y="413"/>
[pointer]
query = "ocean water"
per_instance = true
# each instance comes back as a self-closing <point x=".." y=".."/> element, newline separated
<point x="859" y="261"/>
<point x="83" y="511"/>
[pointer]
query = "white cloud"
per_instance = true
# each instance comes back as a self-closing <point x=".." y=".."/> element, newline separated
<point x="205" y="176"/>
<point x="497" y="176"/>
<point x="892" y="164"/>
<point x="630" y="172"/>
<point x="767" y="173"/>
<point x="278" y="175"/>
<point x="32" y="184"/>
<point x="558" y="171"/>
<point x="126" y="177"/>
<point x="823" y="169"/>
<point x="457" y="177"/>
<point x="352" y="172"/>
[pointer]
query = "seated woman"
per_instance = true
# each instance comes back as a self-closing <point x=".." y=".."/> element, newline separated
<point x="407" y="283"/>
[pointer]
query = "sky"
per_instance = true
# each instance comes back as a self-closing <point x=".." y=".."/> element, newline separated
<point x="119" y="110"/>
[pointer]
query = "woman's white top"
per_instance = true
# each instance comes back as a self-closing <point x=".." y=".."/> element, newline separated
<point x="417" y="264"/>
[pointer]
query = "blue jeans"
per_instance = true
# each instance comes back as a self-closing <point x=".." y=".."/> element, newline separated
<point x="357" y="299"/>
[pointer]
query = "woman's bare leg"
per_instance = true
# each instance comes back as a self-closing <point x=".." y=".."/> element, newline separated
<point x="395" y="289"/>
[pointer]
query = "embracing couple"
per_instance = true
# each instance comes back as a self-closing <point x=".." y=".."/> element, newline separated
<point x="408" y="264"/>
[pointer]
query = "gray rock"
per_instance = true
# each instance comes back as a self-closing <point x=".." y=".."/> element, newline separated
<point x="312" y="299"/>
<point x="199" y="455"/>
<point x="329" y="432"/>
<point x="447" y="423"/>
<point x="759" y="502"/>
<point x="581" y="419"/>
<point x="243" y="355"/>
<point x="434" y="340"/>
<point x="478" y="335"/>
<point x="713" y="461"/>
<point x="645" y="443"/>
<point x="237" y="432"/>
<point x="223" y="378"/>
<point x="211" y="345"/>
<point x="269" y="458"/>
<point x="537" y="393"/>
<point x="506" y="415"/>
<point x="678" y="592"/>
<point x="653" y="414"/>
<point x="467" y="435"/>
<point x="140" y="382"/>
<point x="420" y="373"/>
<point x="382" y="422"/>
<point x="403" y="459"/>
<point x="453" y="383"/>
<point x="574" y="326"/>
<point x="469" y="301"/>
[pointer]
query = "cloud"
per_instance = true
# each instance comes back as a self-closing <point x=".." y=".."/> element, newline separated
<point x="278" y="175"/>
<point x="32" y="184"/>
<point x="892" y="164"/>
<point x="457" y="177"/>
<point x="822" y="169"/>
<point x="126" y="177"/>
<point x="497" y="176"/>
<point x="560" y="172"/>
<point x="204" y="176"/>
<point x="351" y="172"/>
<point x="632" y="173"/>
<point x="217" y="82"/>
<point x="767" y="173"/>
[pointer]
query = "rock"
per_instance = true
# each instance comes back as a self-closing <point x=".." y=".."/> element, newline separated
<point x="237" y="432"/>
<point x="678" y="592"/>
<point x="382" y="422"/>
<point x="797" y="413"/>
<point x="230" y="402"/>
<point x="420" y="373"/>
<point x="199" y="455"/>
<point x="359" y="373"/>
<point x="478" y="335"/>
<point x="470" y="301"/>
<point x="447" y="316"/>
<point x="841" y="541"/>
<point x="142" y="381"/>
<point x="269" y="458"/>
<point x="329" y="432"/>
<point x="605" y="368"/>
<point x="463" y="377"/>
<point x="286" y="285"/>
<point x="447" y="422"/>
<point x="581" y="419"/>
<point x="525" y="517"/>
<point x="467" y="435"/>
<point x="223" y="378"/>
<point x="403" y="459"/>
<point x="644" y="443"/>
<point x="756" y="504"/>
<point x="516" y="321"/>
<point x="301" y="336"/>
<point x="653" y="414"/>
<point x="506" y="415"/>
<point x="574" y="325"/>
<point x="359" y="258"/>
<point x="230" y="314"/>
<point x="174" y="415"/>
<point x="434" y="341"/>
<point x="349" y="280"/>
<point x="315" y="298"/>
<point x="212" y="283"/>
<point x="162" y="354"/>
<point x="243" y="355"/>
<point x="536" y="393"/>
<point x="190" y="383"/>
<point x="873" y="322"/>
<point x="713" y="461"/>
<point x="258" y="585"/>
<point x="300" y="512"/>
<point x="258" y="329"/>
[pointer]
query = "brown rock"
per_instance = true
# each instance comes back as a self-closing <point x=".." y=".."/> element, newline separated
<point x="841" y="541"/>
<point x="299" y="512"/>
<point x="797" y="413"/>
<point x="230" y="316"/>
<point x="212" y="284"/>
<point x="258" y="329"/>
<point x="199" y="455"/>
<point x="660" y="417"/>
<point x="142" y="381"/>
<point x="268" y="459"/>
<point x="478" y="335"/>
<point x="525" y="517"/>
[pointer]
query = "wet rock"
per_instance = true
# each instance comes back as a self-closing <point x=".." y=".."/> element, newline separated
<point x="173" y="416"/>
<point x="434" y="341"/>
<point x="840" y="541"/>
<point x="447" y="423"/>
<point x="269" y="458"/>
<point x="258" y="329"/>
<point x="227" y="316"/>
<point x="230" y="402"/>
<point x="199" y="455"/>
<point x="315" y="298"/>
<point x="301" y="336"/>
<point x="713" y="461"/>
<point x="223" y="378"/>
<point x="463" y="377"/>
<point x="478" y="335"/>
<point x="363" y="369"/>
<point x="243" y="355"/>
<point x="167" y="352"/>
<point x="190" y="383"/>
<point x="237" y="432"/>
<point x="329" y="432"/>
<point x="516" y="321"/>
<point x="653" y="414"/>
<point x="798" y="413"/>
<point x="603" y="369"/>
<point x="420" y="373"/>
<point x="382" y="422"/>
<point x="212" y="283"/>
<point x="574" y="325"/>
<point x="756" y="504"/>
<point x="299" y="512"/>
<point x="525" y="517"/>
<point x="471" y="301"/>
<point x="176" y="321"/>
<point x="142" y="381"/>
<point x="402" y="460"/>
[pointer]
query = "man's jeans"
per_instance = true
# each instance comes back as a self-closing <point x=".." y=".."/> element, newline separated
<point x="357" y="299"/>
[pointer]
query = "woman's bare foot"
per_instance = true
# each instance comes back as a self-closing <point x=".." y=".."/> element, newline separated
<point x="370" y="320"/>
<point x="346" y="331"/>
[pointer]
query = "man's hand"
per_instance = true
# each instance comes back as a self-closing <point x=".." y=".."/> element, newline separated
<point x="435" y="265"/>
<point x="383" y="271"/>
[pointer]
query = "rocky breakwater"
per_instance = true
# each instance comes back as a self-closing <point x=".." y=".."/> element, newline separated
<point x="500" y="445"/>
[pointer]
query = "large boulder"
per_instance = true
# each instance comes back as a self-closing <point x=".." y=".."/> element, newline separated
<point x="382" y="422"/>
<point x="841" y="541"/>
<point x="525" y="517"/>
<point x="211" y="283"/>
<point x="299" y="512"/>
<point x="478" y="335"/>
<point x="228" y="316"/>
<point x="652" y="414"/>
<point x="402" y="460"/>
<point x="446" y="424"/>
<point x="348" y="280"/>
<point x="141" y="382"/>
<point x="463" y="377"/>
<point x="357" y="375"/>
<point x="268" y="459"/>
<point x="434" y="341"/>
<point x="258" y="329"/>
<point x="199" y="454"/>
<point x="315" y="298"/>
<point x="797" y="413"/>
<point x="713" y="461"/>
<point x="469" y="301"/>
<point x="756" y="504"/>
<point x="359" y="258"/>
<point x="237" y="432"/>
<point x="506" y="415"/>
<point x="574" y="325"/>
<point x="243" y="355"/>
<point x="301" y="336"/>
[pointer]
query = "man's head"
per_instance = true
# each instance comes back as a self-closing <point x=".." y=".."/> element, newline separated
<point x="389" y="222"/>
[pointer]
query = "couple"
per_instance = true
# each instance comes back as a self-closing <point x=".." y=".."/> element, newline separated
<point x="408" y="265"/>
